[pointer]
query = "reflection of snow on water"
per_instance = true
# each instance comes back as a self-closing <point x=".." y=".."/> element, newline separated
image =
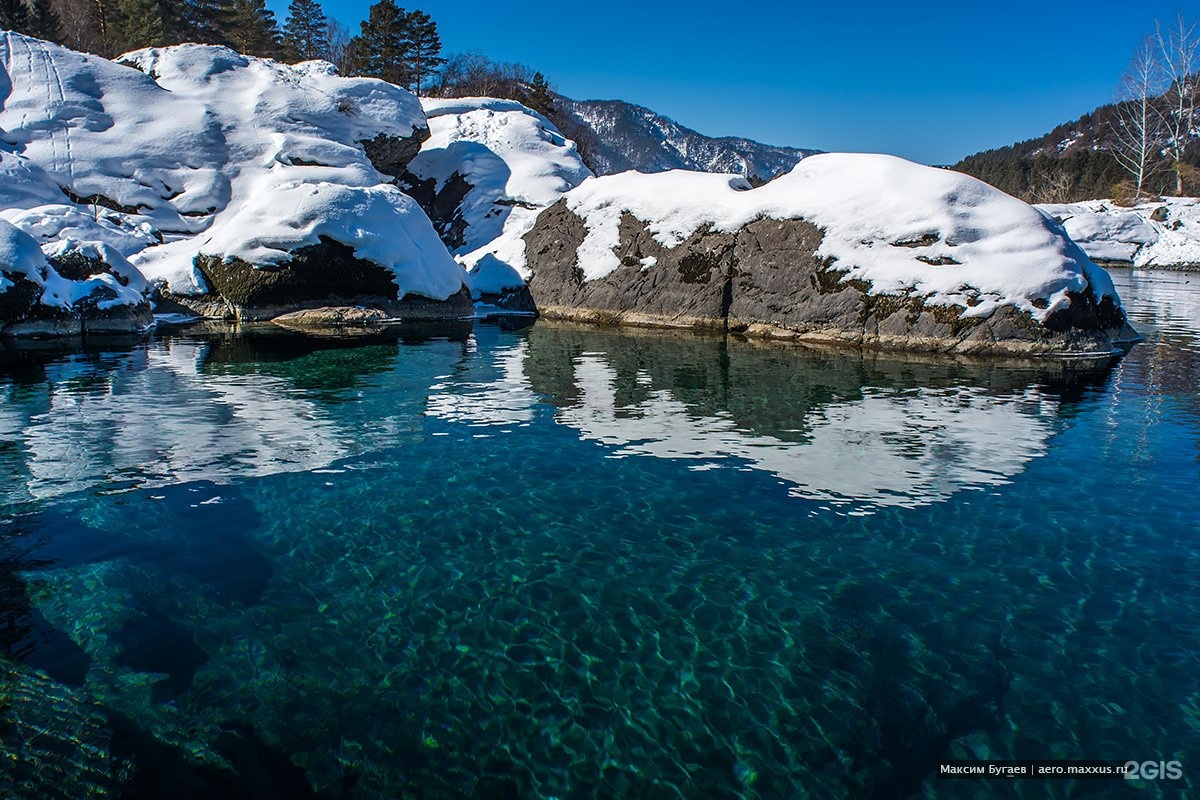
<point x="1168" y="301"/>
<point x="508" y="400"/>
<point x="160" y="421"/>
<point x="890" y="448"/>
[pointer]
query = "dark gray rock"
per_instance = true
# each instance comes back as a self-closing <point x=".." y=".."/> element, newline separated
<point x="442" y="206"/>
<point x="1160" y="214"/>
<point x="685" y="288"/>
<point x="21" y="315"/>
<point x="765" y="281"/>
<point x="390" y="155"/>
<point x="323" y="275"/>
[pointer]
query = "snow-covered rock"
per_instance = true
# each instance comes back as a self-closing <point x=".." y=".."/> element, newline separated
<point x="67" y="288"/>
<point x="1160" y="233"/>
<point x="226" y="159"/>
<point x="489" y="167"/>
<point x="866" y="249"/>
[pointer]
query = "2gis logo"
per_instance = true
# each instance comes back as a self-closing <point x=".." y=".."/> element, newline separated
<point x="1153" y="770"/>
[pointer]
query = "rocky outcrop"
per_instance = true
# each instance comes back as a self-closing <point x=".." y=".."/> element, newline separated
<point x="392" y="154"/>
<point x="765" y="280"/>
<point x="73" y="290"/>
<point x="323" y="276"/>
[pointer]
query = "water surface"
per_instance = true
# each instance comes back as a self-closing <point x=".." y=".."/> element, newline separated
<point x="566" y="562"/>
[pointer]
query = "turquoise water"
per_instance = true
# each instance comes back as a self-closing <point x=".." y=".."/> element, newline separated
<point x="563" y="562"/>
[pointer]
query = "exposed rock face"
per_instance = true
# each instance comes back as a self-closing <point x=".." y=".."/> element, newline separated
<point x="764" y="280"/>
<point x="391" y="154"/>
<point x="442" y="205"/>
<point x="320" y="276"/>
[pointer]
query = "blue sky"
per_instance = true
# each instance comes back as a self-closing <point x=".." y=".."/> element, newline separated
<point x="928" y="81"/>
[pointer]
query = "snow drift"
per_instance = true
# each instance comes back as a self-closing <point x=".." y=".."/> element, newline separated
<point x="488" y="168"/>
<point x="1163" y="233"/>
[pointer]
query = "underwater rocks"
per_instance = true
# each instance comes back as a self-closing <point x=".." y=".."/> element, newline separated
<point x="809" y="259"/>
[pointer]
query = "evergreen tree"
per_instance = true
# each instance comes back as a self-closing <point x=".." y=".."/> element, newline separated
<point x="424" y="48"/>
<point x="382" y="48"/>
<point x="251" y="28"/>
<point x="203" y="21"/>
<point x="142" y="24"/>
<point x="539" y="97"/>
<point x="14" y="15"/>
<point x="43" y="22"/>
<point x="306" y="34"/>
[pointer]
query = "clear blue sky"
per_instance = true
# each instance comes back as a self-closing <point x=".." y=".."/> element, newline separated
<point x="928" y="81"/>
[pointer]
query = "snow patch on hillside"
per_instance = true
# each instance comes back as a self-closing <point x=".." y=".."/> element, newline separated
<point x="623" y="136"/>
<point x="904" y="228"/>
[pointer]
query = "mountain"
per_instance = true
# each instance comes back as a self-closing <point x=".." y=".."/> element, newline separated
<point x="614" y="136"/>
<point x="1070" y="163"/>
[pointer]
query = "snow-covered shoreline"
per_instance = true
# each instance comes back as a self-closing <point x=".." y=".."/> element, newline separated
<point x="246" y="188"/>
<point x="1162" y="234"/>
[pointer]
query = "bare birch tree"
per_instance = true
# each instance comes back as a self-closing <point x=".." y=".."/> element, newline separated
<point x="1177" y="45"/>
<point x="1137" y="127"/>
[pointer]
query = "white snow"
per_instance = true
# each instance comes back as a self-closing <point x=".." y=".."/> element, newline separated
<point x="870" y="207"/>
<point x="217" y="152"/>
<point x="514" y="158"/>
<point x="490" y="275"/>
<point x="1109" y="232"/>
<point x="20" y="255"/>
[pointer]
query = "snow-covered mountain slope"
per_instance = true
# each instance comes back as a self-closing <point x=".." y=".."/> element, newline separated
<point x="215" y="154"/>
<point x="616" y="136"/>
<point x="486" y="171"/>
<point x="1161" y="233"/>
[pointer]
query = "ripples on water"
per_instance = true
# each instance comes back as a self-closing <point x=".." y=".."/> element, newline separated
<point x="567" y="562"/>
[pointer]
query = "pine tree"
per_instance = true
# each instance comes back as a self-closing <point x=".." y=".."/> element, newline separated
<point x="43" y="22"/>
<point x="142" y="24"/>
<point x="382" y="48"/>
<point x="306" y="34"/>
<point x="203" y="21"/>
<point x="424" y="47"/>
<point x="539" y="97"/>
<point x="14" y="16"/>
<point x="252" y="29"/>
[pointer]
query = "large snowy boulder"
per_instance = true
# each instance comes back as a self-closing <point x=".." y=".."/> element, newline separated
<point x="1161" y="233"/>
<point x="856" y="249"/>
<point x="71" y="288"/>
<point x="204" y="166"/>
<point x="489" y="167"/>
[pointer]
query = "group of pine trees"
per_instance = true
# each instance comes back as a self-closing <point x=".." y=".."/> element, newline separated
<point x="399" y="46"/>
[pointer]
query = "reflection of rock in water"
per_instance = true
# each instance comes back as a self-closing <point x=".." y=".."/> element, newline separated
<point x="211" y="404"/>
<point x="837" y="426"/>
<point x="58" y="744"/>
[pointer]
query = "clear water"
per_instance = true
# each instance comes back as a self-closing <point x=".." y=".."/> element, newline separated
<point x="565" y="562"/>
